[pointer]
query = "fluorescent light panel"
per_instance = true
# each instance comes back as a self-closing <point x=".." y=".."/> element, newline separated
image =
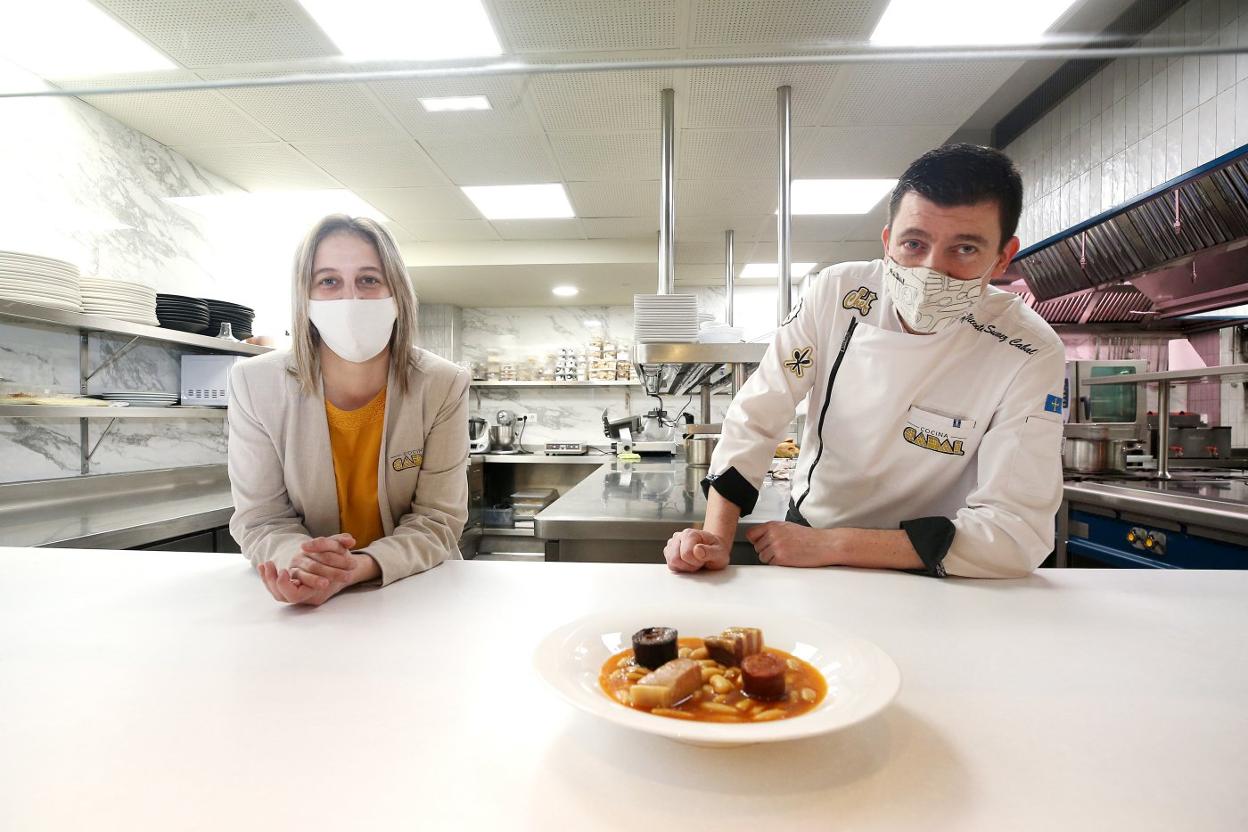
<point x="419" y="30"/>
<point x="772" y="270"/>
<point x="966" y="22"/>
<point x="455" y="103"/>
<point x="73" y="39"/>
<point x="838" y="196"/>
<point x="520" y="202"/>
<point x="299" y="206"/>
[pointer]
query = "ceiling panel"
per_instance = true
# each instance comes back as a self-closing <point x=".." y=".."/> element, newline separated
<point x="742" y="98"/>
<point x="598" y="157"/>
<point x="562" y="229"/>
<point x="709" y="197"/>
<point x="173" y="118"/>
<point x="733" y="154"/>
<point x="259" y="167"/>
<point x="195" y="33"/>
<point x="830" y="227"/>
<point x="380" y="165"/>
<point x="318" y="112"/>
<point x="690" y="252"/>
<point x="418" y="205"/>
<point x="601" y="101"/>
<point x="494" y="160"/>
<point x="614" y="199"/>
<point x="863" y="152"/>
<point x="711" y="229"/>
<point x="508" y="113"/>
<point x="452" y="230"/>
<point x="620" y="228"/>
<point x="915" y="95"/>
<point x="745" y="22"/>
<point x="576" y="25"/>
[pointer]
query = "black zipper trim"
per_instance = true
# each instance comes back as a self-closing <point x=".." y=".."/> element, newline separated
<point x="823" y="414"/>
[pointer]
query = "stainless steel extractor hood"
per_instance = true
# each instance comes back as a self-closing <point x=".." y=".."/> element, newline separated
<point x="1134" y="255"/>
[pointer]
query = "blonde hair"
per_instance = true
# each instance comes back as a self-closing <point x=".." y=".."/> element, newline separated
<point x="305" y="338"/>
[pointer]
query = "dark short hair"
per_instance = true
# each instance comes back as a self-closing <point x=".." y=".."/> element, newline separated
<point x="964" y="174"/>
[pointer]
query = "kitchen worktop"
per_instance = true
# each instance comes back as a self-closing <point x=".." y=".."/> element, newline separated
<point x="1213" y="502"/>
<point x="593" y="457"/>
<point x="116" y="511"/>
<point x="184" y="697"/>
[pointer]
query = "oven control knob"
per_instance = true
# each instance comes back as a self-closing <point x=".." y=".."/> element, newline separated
<point x="1148" y="542"/>
<point x="1132" y="536"/>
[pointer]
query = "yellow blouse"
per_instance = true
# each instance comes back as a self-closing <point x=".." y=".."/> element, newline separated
<point x="355" y="442"/>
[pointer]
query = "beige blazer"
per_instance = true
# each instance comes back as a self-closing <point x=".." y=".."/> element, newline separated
<point x="282" y="472"/>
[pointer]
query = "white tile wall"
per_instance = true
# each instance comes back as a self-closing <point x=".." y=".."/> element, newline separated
<point x="1137" y="123"/>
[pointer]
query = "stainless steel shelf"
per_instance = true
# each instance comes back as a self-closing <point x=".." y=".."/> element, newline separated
<point x="1230" y="372"/>
<point x="30" y="313"/>
<point x="556" y="384"/>
<point x="681" y="369"/>
<point x="46" y="411"/>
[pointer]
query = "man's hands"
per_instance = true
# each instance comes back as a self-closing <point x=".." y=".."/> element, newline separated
<point x="323" y="568"/>
<point x="693" y="549"/>
<point x="791" y="544"/>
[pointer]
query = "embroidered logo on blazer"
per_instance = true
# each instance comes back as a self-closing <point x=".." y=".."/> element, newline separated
<point x="800" y="361"/>
<point x="860" y="299"/>
<point x="411" y="459"/>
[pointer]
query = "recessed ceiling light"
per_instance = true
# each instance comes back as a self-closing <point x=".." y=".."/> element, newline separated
<point x="838" y="196"/>
<point x="772" y="270"/>
<point x="520" y="202"/>
<point x="73" y="39"/>
<point x="591" y="324"/>
<point x="965" y="22"/>
<point x="455" y="103"/>
<point x="565" y="291"/>
<point x="305" y="207"/>
<point x="421" y="30"/>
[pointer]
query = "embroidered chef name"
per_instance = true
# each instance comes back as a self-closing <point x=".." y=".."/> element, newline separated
<point x="941" y="443"/>
<point x="411" y="459"/>
<point x="1002" y="337"/>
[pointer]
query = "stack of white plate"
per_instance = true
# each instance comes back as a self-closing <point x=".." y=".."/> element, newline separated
<point x="141" y="398"/>
<point x="39" y="280"/>
<point x="659" y="319"/>
<point x="714" y="332"/>
<point x="132" y="302"/>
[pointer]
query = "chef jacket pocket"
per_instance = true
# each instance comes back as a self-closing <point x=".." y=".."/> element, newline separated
<point x="1036" y="466"/>
<point x="943" y="433"/>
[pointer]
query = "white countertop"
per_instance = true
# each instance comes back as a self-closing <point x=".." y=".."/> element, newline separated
<point x="156" y="691"/>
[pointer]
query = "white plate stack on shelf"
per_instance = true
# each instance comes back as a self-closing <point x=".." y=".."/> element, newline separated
<point x="40" y="281"/>
<point x="125" y="301"/>
<point x="665" y="319"/>
<point x="717" y="332"/>
<point x="141" y="398"/>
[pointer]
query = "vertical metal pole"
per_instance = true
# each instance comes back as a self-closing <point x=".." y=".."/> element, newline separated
<point x="667" y="197"/>
<point x="706" y="403"/>
<point x="1163" y="429"/>
<point x="84" y="432"/>
<point x="729" y="275"/>
<point x="784" y="256"/>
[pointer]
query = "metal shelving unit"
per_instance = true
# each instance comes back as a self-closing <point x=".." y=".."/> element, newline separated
<point x="556" y="384"/>
<point x="1230" y="372"/>
<point x="85" y="325"/>
<point x="681" y="369"/>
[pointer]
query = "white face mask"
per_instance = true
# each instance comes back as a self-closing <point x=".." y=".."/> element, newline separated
<point x="355" y="329"/>
<point x="927" y="300"/>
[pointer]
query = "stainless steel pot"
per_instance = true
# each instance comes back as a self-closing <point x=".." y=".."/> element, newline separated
<point x="502" y="438"/>
<point x="698" y="450"/>
<point x="1095" y="450"/>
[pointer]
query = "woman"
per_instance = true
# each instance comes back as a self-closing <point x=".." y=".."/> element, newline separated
<point x="347" y="453"/>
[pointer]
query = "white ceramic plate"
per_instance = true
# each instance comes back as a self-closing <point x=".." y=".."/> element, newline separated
<point x="861" y="677"/>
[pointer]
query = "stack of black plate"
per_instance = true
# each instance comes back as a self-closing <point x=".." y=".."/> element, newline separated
<point x="182" y="313"/>
<point x="239" y="317"/>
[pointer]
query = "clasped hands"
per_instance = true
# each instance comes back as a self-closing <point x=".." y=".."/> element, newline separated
<point x="777" y="544"/>
<point x="324" y="567"/>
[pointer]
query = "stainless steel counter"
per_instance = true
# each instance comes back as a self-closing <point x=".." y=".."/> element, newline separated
<point x="1220" y="504"/>
<point x="590" y="458"/>
<point x="117" y="511"/>
<point x="624" y="511"/>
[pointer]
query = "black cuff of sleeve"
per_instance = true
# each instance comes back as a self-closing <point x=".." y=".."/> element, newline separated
<point x="931" y="537"/>
<point x="733" y="487"/>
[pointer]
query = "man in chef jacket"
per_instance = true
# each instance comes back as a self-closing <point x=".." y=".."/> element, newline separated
<point x="934" y="423"/>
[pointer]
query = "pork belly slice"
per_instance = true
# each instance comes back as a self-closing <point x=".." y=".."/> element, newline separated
<point x="665" y="687"/>
<point x="734" y="644"/>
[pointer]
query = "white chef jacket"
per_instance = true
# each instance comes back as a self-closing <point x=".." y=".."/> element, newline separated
<point x="954" y="437"/>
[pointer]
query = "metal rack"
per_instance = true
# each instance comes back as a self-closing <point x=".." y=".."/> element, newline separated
<point x="680" y="369"/>
<point x="86" y="324"/>
<point x="1163" y="380"/>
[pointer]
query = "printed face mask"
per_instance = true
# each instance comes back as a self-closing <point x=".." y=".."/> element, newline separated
<point x="355" y="329"/>
<point x="927" y="300"/>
